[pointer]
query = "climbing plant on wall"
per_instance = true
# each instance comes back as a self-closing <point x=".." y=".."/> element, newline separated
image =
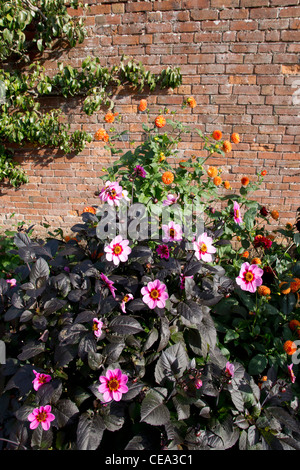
<point x="33" y="26"/>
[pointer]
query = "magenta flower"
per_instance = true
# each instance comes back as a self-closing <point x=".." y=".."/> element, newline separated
<point x="291" y="373"/>
<point x="12" y="282"/>
<point x="229" y="369"/>
<point x="40" y="379"/>
<point x="41" y="415"/>
<point x="125" y="299"/>
<point x="112" y="193"/>
<point x="204" y="248"/>
<point x="182" y="280"/>
<point x="154" y="294"/>
<point x="140" y="171"/>
<point x="113" y="385"/>
<point x="198" y="383"/>
<point x="118" y="250"/>
<point x="97" y="327"/>
<point x="163" y="251"/>
<point x="109" y="284"/>
<point x="250" y="277"/>
<point x="237" y="213"/>
<point x="172" y="232"/>
<point x="171" y="199"/>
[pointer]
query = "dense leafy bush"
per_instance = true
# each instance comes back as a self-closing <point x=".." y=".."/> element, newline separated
<point x="114" y="344"/>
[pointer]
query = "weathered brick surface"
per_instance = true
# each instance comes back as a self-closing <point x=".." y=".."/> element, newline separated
<point x="239" y="59"/>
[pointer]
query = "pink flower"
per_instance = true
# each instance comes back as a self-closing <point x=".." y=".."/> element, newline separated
<point x="154" y="294"/>
<point x="229" y="369"/>
<point x="109" y="284"/>
<point x="163" y="251"/>
<point x="12" y="282"/>
<point x="198" y="383"/>
<point x="237" y="213"/>
<point x="97" y="327"/>
<point x="291" y="373"/>
<point x="204" y="248"/>
<point x="171" y="199"/>
<point x="113" y="385"/>
<point x="40" y="379"/>
<point x="173" y="232"/>
<point x="250" y="277"/>
<point x="41" y="415"/>
<point x="112" y="193"/>
<point x="182" y="280"/>
<point x="118" y="250"/>
<point x="126" y="299"/>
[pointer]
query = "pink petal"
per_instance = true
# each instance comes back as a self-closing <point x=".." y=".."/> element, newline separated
<point x="117" y="395"/>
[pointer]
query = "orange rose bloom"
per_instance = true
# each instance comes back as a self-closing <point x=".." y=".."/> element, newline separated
<point x="142" y="105"/>
<point x="109" y="117"/>
<point x="160" y="121"/>
<point x="101" y="134"/>
<point x="245" y="181"/>
<point x="235" y="138"/>
<point x="191" y="102"/>
<point x="263" y="290"/>
<point x="275" y="215"/>
<point x="212" y="171"/>
<point x="290" y="347"/>
<point x="227" y="185"/>
<point x="286" y="290"/>
<point x="227" y="146"/>
<point x="263" y="173"/>
<point x="256" y="261"/>
<point x="295" y="285"/>
<point x="217" y="180"/>
<point x="167" y="177"/>
<point x="217" y="135"/>
<point x="90" y="209"/>
<point x="294" y="325"/>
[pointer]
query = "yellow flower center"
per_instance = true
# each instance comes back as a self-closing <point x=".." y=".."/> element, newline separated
<point x="203" y="248"/>
<point x="249" y="276"/>
<point x="237" y="213"/>
<point x="113" y="192"/>
<point x="125" y="299"/>
<point x="117" y="249"/>
<point x="113" y="385"/>
<point x="154" y="294"/>
<point x="41" y="416"/>
<point x="42" y="380"/>
<point x="172" y="232"/>
<point x="95" y="327"/>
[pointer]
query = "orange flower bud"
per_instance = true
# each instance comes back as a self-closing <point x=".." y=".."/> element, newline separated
<point x="142" y="105"/>
<point x="227" y="147"/>
<point x="160" y="121"/>
<point x="167" y="177"/>
<point x="217" y="180"/>
<point x="235" y="138"/>
<point x="217" y="135"/>
<point x="263" y="291"/>
<point x="212" y="171"/>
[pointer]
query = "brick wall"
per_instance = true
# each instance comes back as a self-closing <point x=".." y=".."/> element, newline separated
<point x="239" y="59"/>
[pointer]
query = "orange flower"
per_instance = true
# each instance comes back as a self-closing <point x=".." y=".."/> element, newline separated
<point x="167" y="177"/>
<point x="290" y="347"/>
<point x="263" y="290"/>
<point x="256" y="261"/>
<point x="289" y="226"/>
<point x="235" y="138"/>
<point x="227" y="185"/>
<point x="294" y="325"/>
<point x="217" y="135"/>
<point x="245" y="254"/>
<point x="284" y="290"/>
<point x="275" y="215"/>
<point x="295" y="285"/>
<point x="101" y="134"/>
<point x="217" y="180"/>
<point x="263" y="173"/>
<point x="90" y="209"/>
<point x="109" y="117"/>
<point x="160" y="121"/>
<point x="227" y="146"/>
<point x="142" y="105"/>
<point x="245" y="181"/>
<point x="191" y="102"/>
<point x="212" y="171"/>
<point x="182" y="166"/>
<point x="263" y="379"/>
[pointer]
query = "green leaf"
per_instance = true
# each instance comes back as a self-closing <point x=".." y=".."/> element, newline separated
<point x="257" y="364"/>
<point x="153" y="409"/>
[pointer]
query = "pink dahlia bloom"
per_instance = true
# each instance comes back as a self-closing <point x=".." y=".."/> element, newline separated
<point x="118" y="250"/>
<point x="154" y="294"/>
<point x="40" y="379"/>
<point x="171" y="199"/>
<point x="113" y="385"/>
<point x="204" y="248"/>
<point x="97" y="327"/>
<point x="41" y="415"/>
<point x="112" y="193"/>
<point x="12" y="282"/>
<point x="126" y="299"/>
<point x="291" y="373"/>
<point x="109" y="284"/>
<point x="237" y="213"/>
<point x="163" y="251"/>
<point x="229" y="369"/>
<point x="250" y="277"/>
<point x="172" y="232"/>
